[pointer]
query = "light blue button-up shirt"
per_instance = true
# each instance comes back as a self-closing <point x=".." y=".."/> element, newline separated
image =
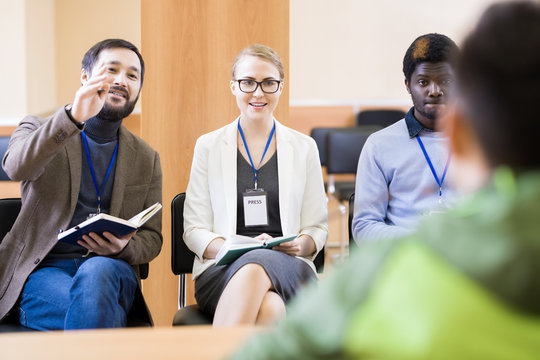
<point x="394" y="184"/>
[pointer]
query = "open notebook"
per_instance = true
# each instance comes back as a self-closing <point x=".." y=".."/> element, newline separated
<point x="105" y="222"/>
<point x="237" y="245"/>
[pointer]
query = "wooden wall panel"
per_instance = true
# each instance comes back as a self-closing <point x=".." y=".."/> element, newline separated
<point x="189" y="47"/>
<point x="10" y="189"/>
<point x="133" y="123"/>
<point x="305" y="118"/>
<point x="7" y="130"/>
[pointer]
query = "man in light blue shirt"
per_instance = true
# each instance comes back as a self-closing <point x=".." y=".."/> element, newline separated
<point x="402" y="170"/>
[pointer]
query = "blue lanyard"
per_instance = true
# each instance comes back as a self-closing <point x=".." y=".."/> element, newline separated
<point x="265" y="149"/>
<point x="440" y="183"/>
<point x="98" y="190"/>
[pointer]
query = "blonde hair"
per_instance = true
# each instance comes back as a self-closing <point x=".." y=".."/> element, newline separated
<point x="261" y="51"/>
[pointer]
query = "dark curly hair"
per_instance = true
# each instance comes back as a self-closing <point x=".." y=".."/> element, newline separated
<point x="92" y="54"/>
<point x="498" y="78"/>
<point x="431" y="48"/>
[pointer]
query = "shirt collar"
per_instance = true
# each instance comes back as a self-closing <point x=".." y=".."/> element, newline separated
<point x="414" y="125"/>
<point x="101" y="130"/>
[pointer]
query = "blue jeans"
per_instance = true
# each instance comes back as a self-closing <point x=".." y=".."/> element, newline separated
<point x="82" y="293"/>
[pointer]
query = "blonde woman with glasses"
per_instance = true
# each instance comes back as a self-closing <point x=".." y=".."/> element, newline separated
<point x="254" y="157"/>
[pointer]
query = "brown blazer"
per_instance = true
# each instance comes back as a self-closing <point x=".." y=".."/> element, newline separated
<point x="45" y="155"/>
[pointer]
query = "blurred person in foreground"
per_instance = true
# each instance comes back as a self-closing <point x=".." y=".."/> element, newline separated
<point x="466" y="284"/>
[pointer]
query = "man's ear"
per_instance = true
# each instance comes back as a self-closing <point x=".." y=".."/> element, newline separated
<point x="84" y="76"/>
<point x="408" y="86"/>
<point x="232" y="86"/>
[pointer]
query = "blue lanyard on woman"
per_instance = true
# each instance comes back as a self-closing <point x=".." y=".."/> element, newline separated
<point x="264" y="153"/>
<point x="440" y="183"/>
<point x="98" y="190"/>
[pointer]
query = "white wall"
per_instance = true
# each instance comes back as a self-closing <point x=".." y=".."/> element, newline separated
<point x="40" y="57"/>
<point x="43" y="42"/>
<point x="352" y="50"/>
<point x="79" y="25"/>
<point x="12" y="60"/>
<point x="341" y="51"/>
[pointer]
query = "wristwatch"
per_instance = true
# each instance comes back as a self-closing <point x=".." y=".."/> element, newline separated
<point x="79" y="124"/>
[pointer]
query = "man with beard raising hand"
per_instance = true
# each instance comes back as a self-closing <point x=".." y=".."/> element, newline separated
<point x="402" y="170"/>
<point x="77" y="163"/>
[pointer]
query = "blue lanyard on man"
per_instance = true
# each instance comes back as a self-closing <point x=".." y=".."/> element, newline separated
<point x="440" y="183"/>
<point x="98" y="189"/>
<point x="264" y="153"/>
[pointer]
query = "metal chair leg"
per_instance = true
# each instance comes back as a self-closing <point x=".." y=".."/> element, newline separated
<point x="182" y="291"/>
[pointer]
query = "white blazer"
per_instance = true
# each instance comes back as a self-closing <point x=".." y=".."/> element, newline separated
<point x="210" y="207"/>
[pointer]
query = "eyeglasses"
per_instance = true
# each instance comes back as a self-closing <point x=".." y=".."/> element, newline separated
<point x="269" y="86"/>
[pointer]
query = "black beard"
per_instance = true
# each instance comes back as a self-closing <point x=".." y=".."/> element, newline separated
<point x="430" y="116"/>
<point x="114" y="114"/>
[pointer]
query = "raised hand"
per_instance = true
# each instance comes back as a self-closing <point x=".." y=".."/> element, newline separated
<point x="91" y="96"/>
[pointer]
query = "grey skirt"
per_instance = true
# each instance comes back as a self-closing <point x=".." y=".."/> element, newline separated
<point x="286" y="273"/>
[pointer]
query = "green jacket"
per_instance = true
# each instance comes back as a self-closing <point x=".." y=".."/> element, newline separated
<point x="466" y="285"/>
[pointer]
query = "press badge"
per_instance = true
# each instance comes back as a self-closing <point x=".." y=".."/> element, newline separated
<point x="255" y="208"/>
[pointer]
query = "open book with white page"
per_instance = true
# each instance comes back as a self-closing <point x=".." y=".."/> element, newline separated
<point x="237" y="245"/>
<point x="105" y="222"/>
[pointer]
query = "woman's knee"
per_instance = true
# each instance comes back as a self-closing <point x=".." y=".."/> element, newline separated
<point x="251" y="272"/>
<point x="272" y="309"/>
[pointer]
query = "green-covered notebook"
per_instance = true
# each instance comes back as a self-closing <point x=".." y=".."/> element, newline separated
<point x="237" y="245"/>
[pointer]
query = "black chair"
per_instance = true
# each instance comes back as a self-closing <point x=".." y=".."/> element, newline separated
<point x="352" y="243"/>
<point x="320" y="135"/>
<point x="342" y="152"/>
<point x="9" y="210"/>
<point x="182" y="264"/>
<point x="382" y="117"/>
<point x="4" y="141"/>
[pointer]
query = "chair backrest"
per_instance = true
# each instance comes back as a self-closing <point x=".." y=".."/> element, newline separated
<point x="4" y="141"/>
<point x="144" y="269"/>
<point x="343" y="149"/>
<point x="380" y="117"/>
<point x="9" y="210"/>
<point x="182" y="258"/>
<point x="320" y="134"/>
<point x="319" y="261"/>
<point x="352" y="243"/>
